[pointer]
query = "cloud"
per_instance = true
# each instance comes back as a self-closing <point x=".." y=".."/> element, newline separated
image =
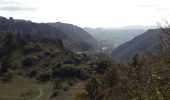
<point x="13" y="5"/>
<point x="148" y="5"/>
<point x="17" y="8"/>
<point x="5" y="2"/>
<point x="153" y="6"/>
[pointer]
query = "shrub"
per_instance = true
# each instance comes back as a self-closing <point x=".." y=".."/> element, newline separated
<point x="5" y="64"/>
<point x="29" y="60"/>
<point x="92" y="87"/>
<point x="54" y="94"/>
<point x="69" y="71"/>
<point x="31" y="47"/>
<point x="102" y="66"/>
<point x="33" y="73"/>
<point x="80" y="94"/>
<point x="111" y="77"/>
<point x="45" y="76"/>
<point x="49" y="54"/>
<point x="8" y="76"/>
<point x="68" y="61"/>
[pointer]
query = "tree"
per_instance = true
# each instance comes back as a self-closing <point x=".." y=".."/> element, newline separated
<point x="111" y="77"/>
<point x="137" y="63"/>
<point x="102" y="66"/>
<point x="92" y="87"/>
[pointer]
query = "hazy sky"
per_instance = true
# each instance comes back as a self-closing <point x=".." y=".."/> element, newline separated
<point x="88" y="13"/>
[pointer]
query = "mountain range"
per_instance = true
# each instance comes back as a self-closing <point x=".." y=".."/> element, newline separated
<point x="130" y="27"/>
<point x="82" y="39"/>
<point x="73" y="37"/>
<point x="122" y="43"/>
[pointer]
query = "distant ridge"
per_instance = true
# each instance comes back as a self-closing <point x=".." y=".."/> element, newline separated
<point x="77" y="38"/>
<point x="76" y="33"/>
<point x="143" y="43"/>
<point x="138" y="27"/>
<point x="111" y="38"/>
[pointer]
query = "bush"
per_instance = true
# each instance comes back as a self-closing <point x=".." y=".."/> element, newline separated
<point x="69" y="71"/>
<point x="80" y="94"/>
<point x="33" y="73"/>
<point x="32" y="48"/>
<point x="8" y="76"/>
<point x="5" y="64"/>
<point x="49" y="54"/>
<point x="45" y="76"/>
<point x="111" y="77"/>
<point x="29" y="61"/>
<point x="54" y="94"/>
<point x="92" y="87"/>
<point x="102" y="66"/>
<point x="68" y="61"/>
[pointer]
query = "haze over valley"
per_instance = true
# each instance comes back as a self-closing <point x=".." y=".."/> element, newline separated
<point x="84" y="50"/>
<point x="109" y="39"/>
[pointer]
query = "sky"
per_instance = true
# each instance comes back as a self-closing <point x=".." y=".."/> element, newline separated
<point x="88" y="13"/>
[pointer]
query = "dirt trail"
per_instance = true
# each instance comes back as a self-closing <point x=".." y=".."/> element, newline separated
<point x="41" y="93"/>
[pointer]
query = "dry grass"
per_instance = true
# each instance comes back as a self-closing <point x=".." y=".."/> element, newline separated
<point x="18" y="89"/>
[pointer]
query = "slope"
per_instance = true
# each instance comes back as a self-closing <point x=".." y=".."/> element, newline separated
<point x="77" y="38"/>
<point x="143" y="43"/>
<point x="84" y="39"/>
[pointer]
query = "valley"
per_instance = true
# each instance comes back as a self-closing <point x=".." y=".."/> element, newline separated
<point x="112" y="38"/>
<point x="60" y="61"/>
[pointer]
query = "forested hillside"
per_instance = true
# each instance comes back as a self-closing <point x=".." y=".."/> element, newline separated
<point x="74" y="38"/>
<point x="147" y="42"/>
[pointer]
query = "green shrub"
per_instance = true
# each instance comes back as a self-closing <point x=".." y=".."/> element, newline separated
<point x="54" y="94"/>
<point x="49" y="54"/>
<point x="5" y="64"/>
<point x="31" y="47"/>
<point x="102" y="66"/>
<point x="29" y="61"/>
<point x="69" y="71"/>
<point x="68" y="61"/>
<point x="45" y="76"/>
<point x="33" y="73"/>
<point x="8" y="76"/>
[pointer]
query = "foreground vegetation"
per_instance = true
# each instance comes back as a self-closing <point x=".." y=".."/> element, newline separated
<point x="29" y="64"/>
<point x="144" y="77"/>
<point x="42" y="69"/>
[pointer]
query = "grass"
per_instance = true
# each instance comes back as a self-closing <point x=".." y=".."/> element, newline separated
<point x="24" y="89"/>
<point x="18" y="89"/>
<point x="48" y="55"/>
<point x="69" y="93"/>
<point x="27" y="89"/>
